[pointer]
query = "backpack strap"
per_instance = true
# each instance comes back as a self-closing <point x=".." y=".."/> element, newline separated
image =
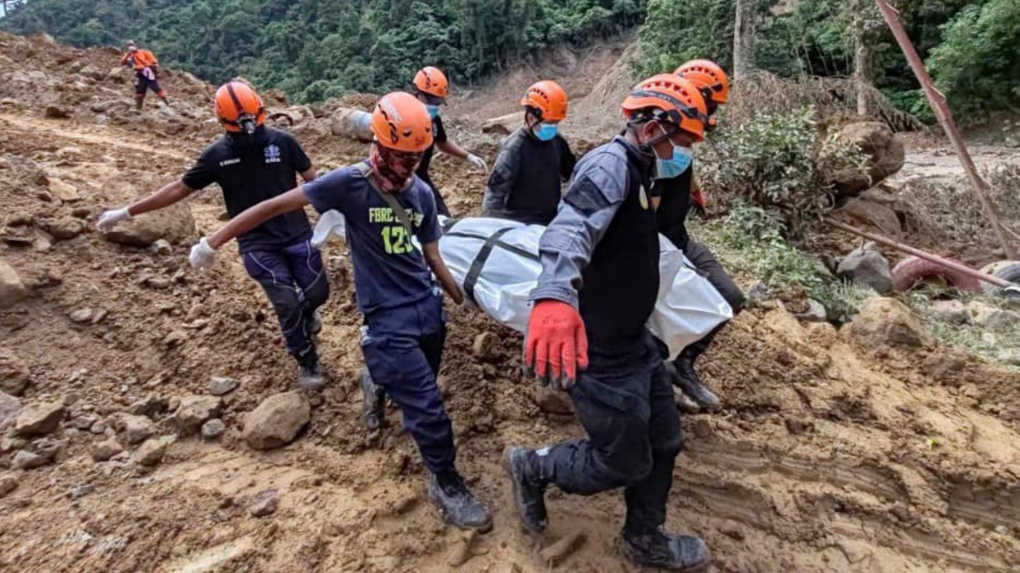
<point x="390" y="200"/>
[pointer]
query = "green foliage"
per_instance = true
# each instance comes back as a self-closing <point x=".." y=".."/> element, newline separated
<point x="978" y="64"/>
<point x="314" y="49"/>
<point x="679" y="30"/>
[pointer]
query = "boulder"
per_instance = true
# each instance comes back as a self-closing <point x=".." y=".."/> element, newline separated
<point x="137" y="429"/>
<point x="9" y="408"/>
<point x="195" y="411"/>
<point x="276" y="421"/>
<point x="887" y="322"/>
<point x="12" y="290"/>
<point x="867" y="266"/>
<point x="14" y="373"/>
<point x="950" y="311"/>
<point x="884" y="150"/>
<point x="173" y="224"/>
<point x="39" y="419"/>
<point x="879" y="217"/>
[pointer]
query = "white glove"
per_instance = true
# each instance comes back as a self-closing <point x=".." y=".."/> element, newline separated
<point x="202" y="255"/>
<point x="478" y="162"/>
<point x="109" y="219"/>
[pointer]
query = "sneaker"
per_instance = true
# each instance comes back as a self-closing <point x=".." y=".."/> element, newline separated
<point x="529" y="493"/>
<point x="309" y="373"/>
<point x="373" y="406"/>
<point x="683" y="375"/>
<point x="455" y="501"/>
<point x="666" y="551"/>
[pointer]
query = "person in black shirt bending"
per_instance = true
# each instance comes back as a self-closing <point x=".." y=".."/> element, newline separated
<point x="253" y="163"/>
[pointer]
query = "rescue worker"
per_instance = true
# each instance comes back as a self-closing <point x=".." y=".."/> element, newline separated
<point x="431" y="87"/>
<point x="404" y="330"/>
<point x="252" y="163"/>
<point x="586" y="334"/>
<point x="146" y="68"/>
<point x="679" y="193"/>
<point x="533" y="162"/>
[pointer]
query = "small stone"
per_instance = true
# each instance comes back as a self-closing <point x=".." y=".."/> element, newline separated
<point x="9" y="444"/>
<point x="106" y="450"/>
<point x="152" y="451"/>
<point x="26" y="460"/>
<point x="885" y="322"/>
<point x="63" y="228"/>
<point x="162" y="247"/>
<point x="702" y="428"/>
<point x="565" y="547"/>
<point x="57" y="112"/>
<point x="992" y="318"/>
<point x="84" y="422"/>
<point x="484" y="345"/>
<point x="63" y="190"/>
<point x="8" y="483"/>
<point x="98" y="428"/>
<point x="277" y="421"/>
<point x="82" y="490"/>
<point x="81" y="316"/>
<point x="14" y="373"/>
<point x="39" y="419"/>
<point x="9" y="409"/>
<point x="195" y="411"/>
<point x="157" y="283"/>
<point x="220" y="385"/>
<point x="175" y="339"/>
<point x="815" y="312"/>
<point x="137" y="429"/>
<point x="264" y="503"/>
<point x="1000" y="529"/>
<point x="732" y="530"/>
<point x="213" y="429"/>
<point x="151" y="405"/>
<point x="12" y="290"/>
<point x="461" y="552"/>
<point x="950" y="311"/>
<point x="553" y="401"/>
<point x="867" y="266"/>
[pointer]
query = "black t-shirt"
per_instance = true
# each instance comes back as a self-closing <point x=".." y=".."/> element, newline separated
<point x="674" y="205"/>
<point x="250" y="175"/>
<point x="438" y="136"/>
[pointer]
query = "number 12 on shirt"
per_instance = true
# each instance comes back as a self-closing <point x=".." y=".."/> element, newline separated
<point x="396" y="241"/>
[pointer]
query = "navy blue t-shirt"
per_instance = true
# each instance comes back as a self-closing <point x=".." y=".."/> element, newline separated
<point x="388" y="270"/>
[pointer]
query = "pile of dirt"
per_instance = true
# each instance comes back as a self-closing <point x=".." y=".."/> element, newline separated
<point x="831" y="455"/>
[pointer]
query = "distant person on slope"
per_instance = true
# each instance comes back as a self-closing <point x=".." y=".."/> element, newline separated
<point x="146" y="68"/>
<point x="533" y="162"/>
<point x="679" y="193"/>
<point x="252" y="163"/>
<point x="431" y="87"/>
<point x="404" y="331"/>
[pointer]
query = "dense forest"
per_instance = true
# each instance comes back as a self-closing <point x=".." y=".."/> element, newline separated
<point x="315" y="49"/>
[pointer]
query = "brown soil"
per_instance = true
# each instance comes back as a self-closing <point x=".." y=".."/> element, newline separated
<point x="828" y="457"/>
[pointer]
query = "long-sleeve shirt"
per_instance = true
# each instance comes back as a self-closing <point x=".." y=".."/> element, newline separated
<point x="138" y="60"/>
<point x="526" y="180"/>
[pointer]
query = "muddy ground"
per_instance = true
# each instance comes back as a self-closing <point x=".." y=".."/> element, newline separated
<point x="829" y="456"/>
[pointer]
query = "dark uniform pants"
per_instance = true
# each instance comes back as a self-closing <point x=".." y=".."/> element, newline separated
<point x="296" y="285"/>
<point x="143" y="84"/>
<point x="634" y="437"/>
<point x="403" y="349"/>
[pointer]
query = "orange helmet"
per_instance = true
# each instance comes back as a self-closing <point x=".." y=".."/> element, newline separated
<point x="402" y="123"/>
<point x="669" y="99"/>
<point x="548" y="98"/>
<point x="708" y="77"/>
<point x="239" y="108"/>
<point x="432" y="82"/>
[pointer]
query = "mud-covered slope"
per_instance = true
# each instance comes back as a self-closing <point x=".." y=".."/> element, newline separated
<point x="829" y="456"/>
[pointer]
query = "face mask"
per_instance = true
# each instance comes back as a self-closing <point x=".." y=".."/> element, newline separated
<point x="244" y="141"/>
<point x="433" y="110"/>
<point x="393" y="169"/>
<point x="675" y="165"/>
<point x="546" y="131"/>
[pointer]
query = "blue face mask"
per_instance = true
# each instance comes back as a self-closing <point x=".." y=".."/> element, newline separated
<point x="674" y="166"/>
<point x="546" y="131"/>
<point x="433" y="110"/>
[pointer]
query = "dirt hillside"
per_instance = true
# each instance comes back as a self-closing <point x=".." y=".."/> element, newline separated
<point x="833" y="454"/>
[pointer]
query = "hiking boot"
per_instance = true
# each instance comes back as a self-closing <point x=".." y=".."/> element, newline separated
<point x="373" y="406"/>
<point x="685" y="404"/>
<point x="309" y="374"/>
<point x="683" y="375"/>
<point x="529" y="491"/>
<point x="458" y="506"/>
<point x="315" y="323"/>
<point x="657" y="548"/>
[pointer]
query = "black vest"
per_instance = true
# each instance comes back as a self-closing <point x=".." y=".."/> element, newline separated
<point x="621" y="283"/>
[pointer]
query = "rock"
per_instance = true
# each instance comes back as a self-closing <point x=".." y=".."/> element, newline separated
<point x="152" y="451"/>
<point x="1009" y="356"/>
<point x="39" y="419"/>
<point x="867" y="266"/>
<point x="8" y="483"/>
<point x="150" y="406"/>
<point x="559" y="551"/>
<point x="173" y="224"/>
<point x="703" y="428"/>
<point x="175" y="339"/>
<point x="885" y="152"/>
<point x="9" y="408"/>
<point x="14" y="373"/>
<point x="98" y="428"/>
<point x="875" y="215"/>
<point x="264" y="503"/>
<point x="82" y="490"/>
<point x="276" y="421"/>
<point x="93" y="71"/>
<point x="484" y="345"/>
<point x="106" y="450"/>
<point x="84" y="423"/>
<point x="57" y="112"/>
<point x="162" y="247"/>
<point x="81" y="316"/>
<point x="195" y="411"/>
<point x="353" y="123"/>
<point x="553" y="401"/>
<point x="137" y="429"/>
<point x="815" y="313"/>
<point x="26" y="460"/>
<point x="461" y="552"/>
<point x="12" y="290"/>
<point x="887" y="322"/>
<point x="63" y="190"/>
<point x="950" y="311"/>
<point x="732" y="530"/>
<point x="63" y="228"/>
<point x="213" y="429"/>
<point x="221" y="385"/>
<point x="758" y="293"/>
<point x="991" y="317"/>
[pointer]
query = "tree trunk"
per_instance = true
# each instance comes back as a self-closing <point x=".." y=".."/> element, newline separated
<point x="862" y="58"/>
<point x="743" y="39"/>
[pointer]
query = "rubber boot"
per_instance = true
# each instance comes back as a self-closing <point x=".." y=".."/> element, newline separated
<point x="138" y="104"/>
<point x="529" y="489"/>
<point x="685" y="377"/>
<point x="309" y="372"/>
<point x="457" y="504"/>
<point x="656" y="548"/>
<point x="373" y="406"/>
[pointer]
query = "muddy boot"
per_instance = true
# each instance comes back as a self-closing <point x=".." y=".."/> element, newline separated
<point x="683" y="375"/>
<point x="309" y="373"/>
<point x="657" y="548"/>
<point x="529" y="490"/>
<point x="138" y="104"/>
<point x="458" y="506"/>
<point x="373" y="406"/>
<point x="684" y="403"/>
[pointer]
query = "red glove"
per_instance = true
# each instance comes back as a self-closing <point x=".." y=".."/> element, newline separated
<point x="697" y="201"/>
<point x="557" y="344"/>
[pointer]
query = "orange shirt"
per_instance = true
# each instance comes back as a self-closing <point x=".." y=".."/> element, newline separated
<point x="140" y="59"/>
